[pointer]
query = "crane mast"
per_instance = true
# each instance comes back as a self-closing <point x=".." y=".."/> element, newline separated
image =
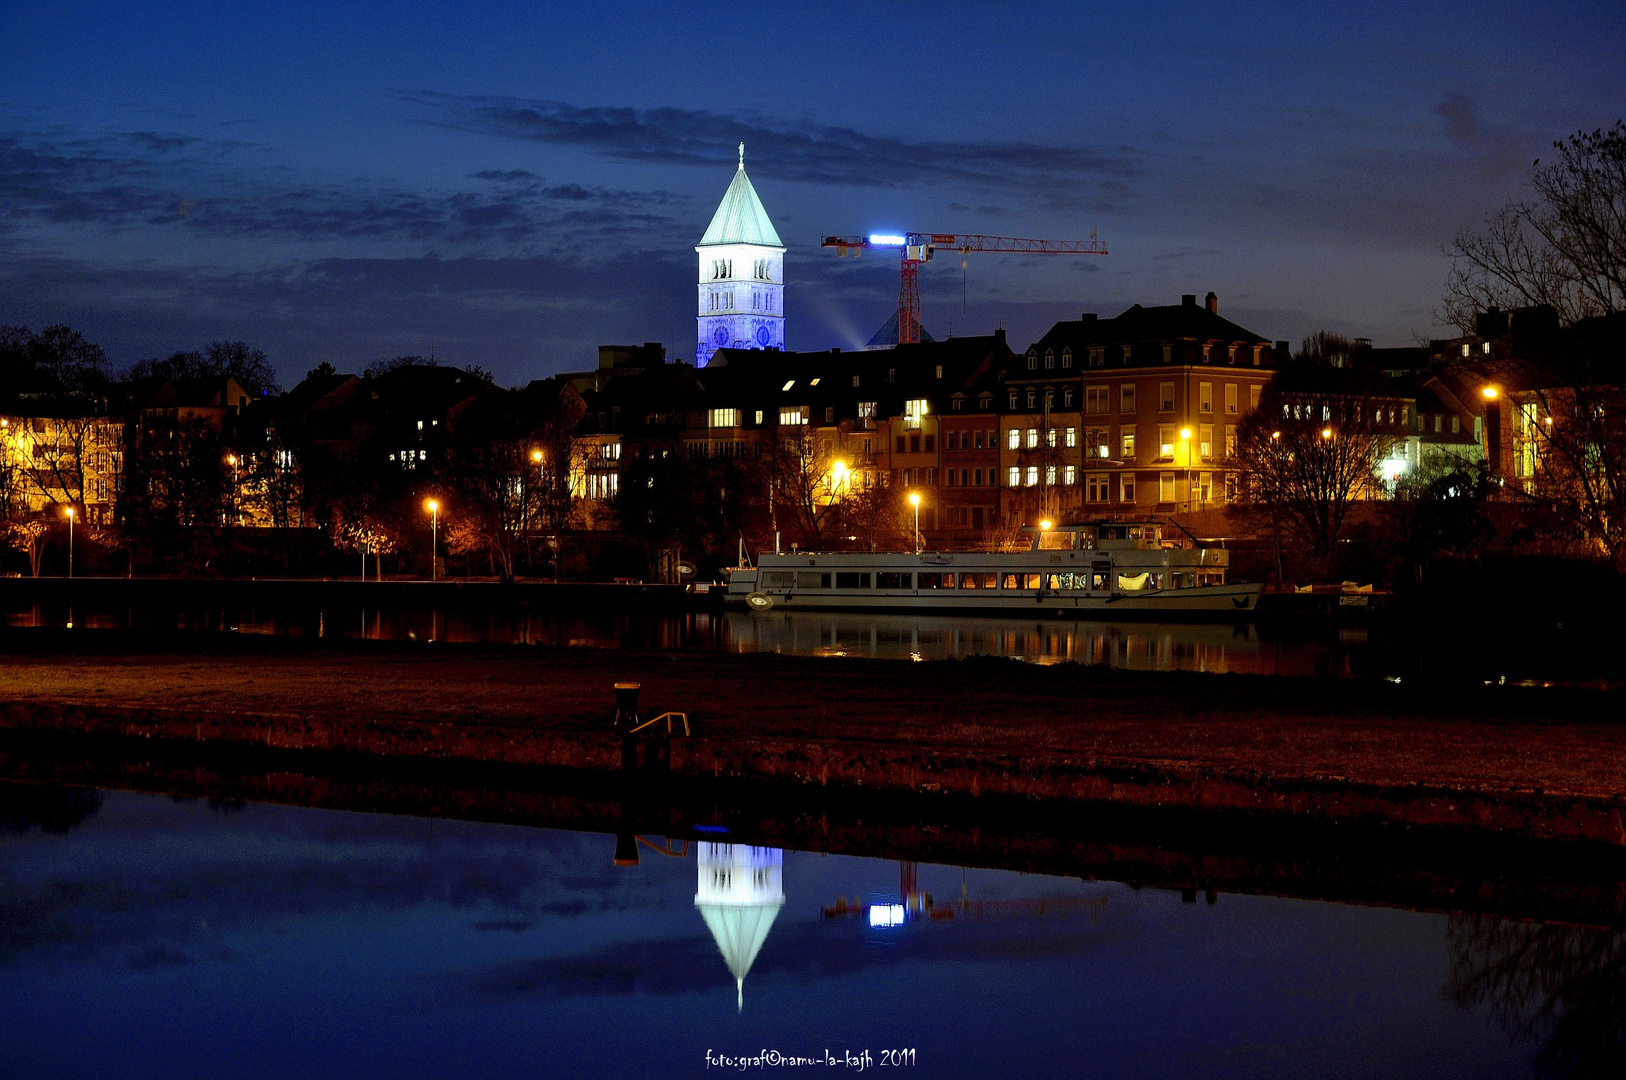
<point x="917" y="248"/>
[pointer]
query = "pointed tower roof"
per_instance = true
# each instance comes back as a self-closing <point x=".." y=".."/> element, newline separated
<point x="740" y="930"/>
<point x="740" y="218"/>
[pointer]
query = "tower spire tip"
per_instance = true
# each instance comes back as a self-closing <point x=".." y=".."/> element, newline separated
<point x="742" y="155"/>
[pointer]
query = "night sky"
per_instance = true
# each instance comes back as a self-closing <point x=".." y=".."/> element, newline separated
<point x="512" y="184"/>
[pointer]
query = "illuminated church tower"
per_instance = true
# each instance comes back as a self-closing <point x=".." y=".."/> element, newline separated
<point x="742" y="275"/>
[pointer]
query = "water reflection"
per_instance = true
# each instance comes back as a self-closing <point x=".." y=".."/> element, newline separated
<point x="1395" y="651"/>
<point x="165" y="939"/>
<point x="47" y="807"/>
<point x="740" y="893"/>
<point x="1562" y="987"/>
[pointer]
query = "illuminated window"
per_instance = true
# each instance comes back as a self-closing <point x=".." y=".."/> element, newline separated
<point x="1072" y="437"/>
<point x="1014" y="477"/>
<point x="725" y="418"/>
<point x="1033" y="476"/>
<point x="1165" y="441"/>
<point x="791" y="414"/>
<point x="1015" y="439"/>
<point x="1033" y="438"/>
<point x="1050" y="437"/>
<point x="1205" y="441"/>
<point x="1128" y="442"/>
<point x="1050" y="475"/>
<point x="1070" y="475"/>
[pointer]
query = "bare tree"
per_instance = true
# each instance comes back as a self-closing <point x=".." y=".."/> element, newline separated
<point x="1303" y="460"/>
<point x="28" y="535"/>
<point x="1565" y="247"/>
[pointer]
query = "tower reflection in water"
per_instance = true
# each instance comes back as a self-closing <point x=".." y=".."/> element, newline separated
<point x="740" y="893"/>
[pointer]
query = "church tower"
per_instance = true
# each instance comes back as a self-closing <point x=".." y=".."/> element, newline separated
<point x="742" y="275"/>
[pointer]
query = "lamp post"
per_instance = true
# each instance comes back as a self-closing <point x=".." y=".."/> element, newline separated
<point x="434" y="537"/>
<point x="231" y="459"/>
<point x="70" y="541"/>
<point x="914" y="500"/>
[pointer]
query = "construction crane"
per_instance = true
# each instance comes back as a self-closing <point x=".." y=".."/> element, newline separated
<point x="919" y="248"/>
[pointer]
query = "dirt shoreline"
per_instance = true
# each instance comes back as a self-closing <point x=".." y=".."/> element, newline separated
<point x="1544" y="763"/>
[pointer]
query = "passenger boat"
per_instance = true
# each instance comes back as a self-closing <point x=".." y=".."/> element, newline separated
<point x="1105" y="569"/>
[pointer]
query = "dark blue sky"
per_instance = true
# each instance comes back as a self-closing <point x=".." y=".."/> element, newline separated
<point x="511" y="185"/>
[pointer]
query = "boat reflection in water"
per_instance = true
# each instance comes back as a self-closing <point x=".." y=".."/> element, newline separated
<point x="1140" y="646"/>
<point x="740" y="893"/>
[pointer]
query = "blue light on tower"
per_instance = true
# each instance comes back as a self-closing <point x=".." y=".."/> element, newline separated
<point x="742" y="276"/>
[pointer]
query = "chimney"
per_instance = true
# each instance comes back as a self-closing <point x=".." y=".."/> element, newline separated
<point x="1212" y="302"/>
<point x="1188" y="299"/>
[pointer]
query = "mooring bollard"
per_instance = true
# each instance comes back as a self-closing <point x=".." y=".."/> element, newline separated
<point x="626" y="703"/>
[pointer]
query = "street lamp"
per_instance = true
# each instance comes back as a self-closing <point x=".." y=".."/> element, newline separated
<point x="914" y="500"/>
<point x="434" y="536"/>
<point x="69" y="512"/>
<point x="1045" y="525"/>
<point x="1490" y="393"/>
<point x="231" y="459"/>
<point x="1185" y="437"/>
<point x="1326" y="433"/>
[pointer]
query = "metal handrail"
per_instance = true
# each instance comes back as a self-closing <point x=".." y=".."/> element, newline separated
<point x="667" y="716"/>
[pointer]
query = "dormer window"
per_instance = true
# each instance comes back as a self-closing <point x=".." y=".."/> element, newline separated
<point x="1033" y="361"/>
<point x="1049" y="360"/>
<point x="1067" y="358"/>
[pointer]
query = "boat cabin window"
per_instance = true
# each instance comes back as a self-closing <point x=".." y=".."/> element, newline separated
<point x="979" y="581"/>
<point x="937" y="581"/>
<point x="1136" y="582"/>
<point x="777" y="579"/>
<point x="849" y="579"/>
<point x="1056" y="540"/>
<point x="812" y="579"/>
<point x="888" y="580"/>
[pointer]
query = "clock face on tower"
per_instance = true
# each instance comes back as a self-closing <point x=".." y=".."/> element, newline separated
<point x="720" y="335"/>
<point x="762" y="336"/>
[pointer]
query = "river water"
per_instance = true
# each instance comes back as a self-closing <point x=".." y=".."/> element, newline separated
<point x="144" y="936"/>
<point x="1439" y="649"/>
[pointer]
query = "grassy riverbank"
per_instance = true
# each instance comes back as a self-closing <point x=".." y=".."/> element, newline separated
<point x="1539" y="761"/>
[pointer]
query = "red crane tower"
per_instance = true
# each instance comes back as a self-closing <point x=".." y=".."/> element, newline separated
<point x="918" y="248"/>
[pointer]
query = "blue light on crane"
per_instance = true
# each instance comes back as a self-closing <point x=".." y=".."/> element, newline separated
<point x="887" y="240"/>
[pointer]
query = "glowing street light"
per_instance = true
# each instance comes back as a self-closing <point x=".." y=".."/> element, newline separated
<point x="1045" y="525"/>
<point x="69" y="513"/>
<point x="914" y="500"/>
<point x="1326" y="433"/>
<point x="434" y="534"/>
<point x="1490" y="393"/>
<point x="231" y="459"/>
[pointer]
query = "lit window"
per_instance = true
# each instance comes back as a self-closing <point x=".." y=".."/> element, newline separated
<point x="1033" y="438"/>
<point x="1014" y="479"/>
<point x="791" y="414"/>
<point x="1205" y="441"/>
<point x="725" y="418"/>
<point x="1033" y="476"/>
<point x="1015" y="439"/>
<point x="1050" y="475"/>
<point x="788" y="384"/>
<point x="759" y="416"/>
<point x="1070" y="475"/>
<point x="1128" y="441"/>
<point x="1050" y="437"/>
<point x="1072" y="437"/>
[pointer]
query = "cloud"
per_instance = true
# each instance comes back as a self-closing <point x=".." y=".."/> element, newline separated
<point x="125" y="181"/>
<point x="1460" y="116"/>
<point x="792" y="150"/>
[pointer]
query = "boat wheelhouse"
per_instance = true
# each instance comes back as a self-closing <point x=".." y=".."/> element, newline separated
<point x="1117" y="568"/>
